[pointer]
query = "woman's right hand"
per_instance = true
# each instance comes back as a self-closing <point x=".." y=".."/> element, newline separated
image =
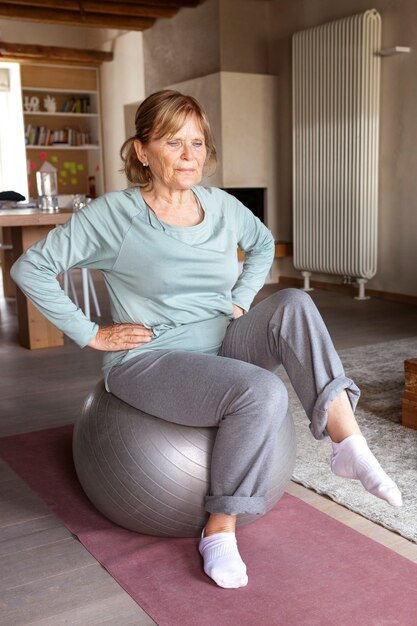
<point x="120" y="337"/>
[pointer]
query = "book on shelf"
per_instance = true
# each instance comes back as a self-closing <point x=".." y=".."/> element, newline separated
<point x="37" y="135"/>
<point x="43" y="136"/>
<point x="77" y="105"/>
<point x="28" y="134"/>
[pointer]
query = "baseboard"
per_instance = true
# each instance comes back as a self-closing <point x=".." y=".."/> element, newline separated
<point x="349" y="290"/>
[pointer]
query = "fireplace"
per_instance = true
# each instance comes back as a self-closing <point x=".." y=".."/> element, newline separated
<point x="251" y="197"/>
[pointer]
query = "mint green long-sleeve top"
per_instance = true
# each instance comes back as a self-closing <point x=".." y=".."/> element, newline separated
<point x="179" y="281"/>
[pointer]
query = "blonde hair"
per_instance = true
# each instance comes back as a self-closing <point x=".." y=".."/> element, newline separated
<point x="163" y="113"/>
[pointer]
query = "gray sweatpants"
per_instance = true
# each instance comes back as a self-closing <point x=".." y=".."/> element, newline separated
<point x="238" y="391"/>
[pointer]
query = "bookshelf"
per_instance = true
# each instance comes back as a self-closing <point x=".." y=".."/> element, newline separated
<point x="67" y="134"/>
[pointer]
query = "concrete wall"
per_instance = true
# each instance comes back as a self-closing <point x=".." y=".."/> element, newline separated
<point x="243" y="28"/>
<point x="398" y="129"/>
<point x="218" y="35"/>
<point x="184" y="47"/>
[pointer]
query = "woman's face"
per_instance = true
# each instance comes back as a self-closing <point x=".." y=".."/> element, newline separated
<point x="176" y="162"/>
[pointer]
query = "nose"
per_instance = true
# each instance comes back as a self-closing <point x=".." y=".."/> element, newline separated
<point x="187" y="151"/>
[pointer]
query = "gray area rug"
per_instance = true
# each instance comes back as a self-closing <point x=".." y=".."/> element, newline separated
<point x="379" y="372"/>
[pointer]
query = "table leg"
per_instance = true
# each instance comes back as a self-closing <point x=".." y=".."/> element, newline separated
<point x="35" y="331"/>
<point x="86" y="294"/>
<point x="7" y="258"/>
<point x="409" y="415"/>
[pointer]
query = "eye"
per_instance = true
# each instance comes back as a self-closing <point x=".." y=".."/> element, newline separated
<point x="174" y="143"/>
<point x="198" y="144"/>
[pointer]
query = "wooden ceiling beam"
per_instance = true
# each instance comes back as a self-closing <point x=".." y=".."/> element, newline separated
<point x="135" y="3"/>
<point x="52" y="54"/>
<point x="58" y="4"/>
<point x="168" y="3"/>
<point x="162" y="3"/>
<point x="72" y="18"/>
<point x="107" y="8"/>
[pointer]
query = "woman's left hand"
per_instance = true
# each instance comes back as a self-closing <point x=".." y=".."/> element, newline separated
<point x="238" y="311"/>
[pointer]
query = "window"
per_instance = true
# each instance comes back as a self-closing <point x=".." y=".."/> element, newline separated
<point x="13" y="167"/>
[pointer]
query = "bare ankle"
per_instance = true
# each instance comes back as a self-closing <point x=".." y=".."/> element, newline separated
<point x="341" y="434"/>
<point x="220" y="523"/>
<point x="341" y="422"/>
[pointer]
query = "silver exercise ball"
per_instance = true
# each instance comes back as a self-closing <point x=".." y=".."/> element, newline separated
<point x="151" y="476"/>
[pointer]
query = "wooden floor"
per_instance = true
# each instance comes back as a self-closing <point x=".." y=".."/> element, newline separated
<point x="47" y="577"/>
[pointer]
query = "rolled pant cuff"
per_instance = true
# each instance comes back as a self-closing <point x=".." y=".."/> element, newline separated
<point x="324" y="400"/>
<point x="233" y="505"/>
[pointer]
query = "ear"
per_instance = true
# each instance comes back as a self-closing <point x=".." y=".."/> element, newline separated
<point x="140" y="151"/>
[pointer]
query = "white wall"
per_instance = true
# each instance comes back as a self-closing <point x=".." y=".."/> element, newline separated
<point x="121" y="83"/>
<point x="249" y="124"/>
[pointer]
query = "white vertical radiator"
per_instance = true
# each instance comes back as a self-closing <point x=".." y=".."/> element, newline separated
<point x="336" y="86"/>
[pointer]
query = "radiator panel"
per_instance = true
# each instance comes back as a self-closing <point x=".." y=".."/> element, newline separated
<point x="336" y="86"/>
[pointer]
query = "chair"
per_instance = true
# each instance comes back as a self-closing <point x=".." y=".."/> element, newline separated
<point x="87" y="286"/>
<point x="69" y="201"/>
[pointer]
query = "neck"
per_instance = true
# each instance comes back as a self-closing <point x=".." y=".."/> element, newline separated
<point x="176" y="207"/>
<point x="168" y="199"/>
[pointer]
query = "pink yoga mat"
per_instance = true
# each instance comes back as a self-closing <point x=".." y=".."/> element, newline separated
<point x="304" y="567"/>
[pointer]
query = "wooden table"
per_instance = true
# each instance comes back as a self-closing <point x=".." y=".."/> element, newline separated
<point x="409" y="414"/>
<point x="23" y="227"/>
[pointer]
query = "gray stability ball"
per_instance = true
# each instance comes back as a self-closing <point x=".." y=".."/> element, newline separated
<point x="151" y="476"/>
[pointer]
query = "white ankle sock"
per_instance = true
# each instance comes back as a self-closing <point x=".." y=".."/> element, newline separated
<point x="222" y="561"/>
<point x="353" y="459"/>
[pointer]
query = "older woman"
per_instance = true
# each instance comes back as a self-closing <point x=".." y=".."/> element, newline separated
<point x="184" y="345"/>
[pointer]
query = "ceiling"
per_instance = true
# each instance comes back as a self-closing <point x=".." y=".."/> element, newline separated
<point x="119" y="14"/>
